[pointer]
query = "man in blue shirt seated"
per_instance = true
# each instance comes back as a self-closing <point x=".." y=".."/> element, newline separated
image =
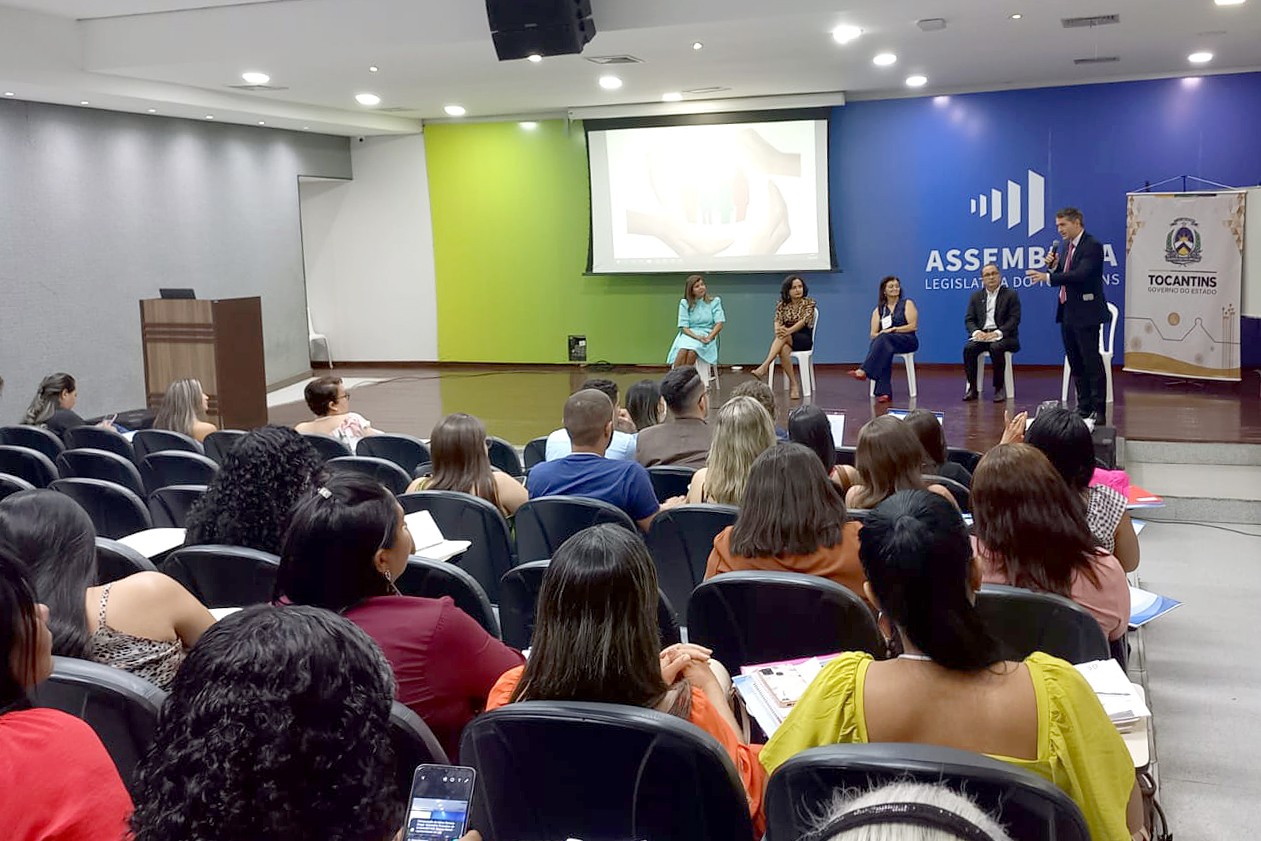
<point x="589" y="418"/>
<point x="623" y="444"/>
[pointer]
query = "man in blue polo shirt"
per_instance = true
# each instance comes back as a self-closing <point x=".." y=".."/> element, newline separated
<point x="589" y="419"/>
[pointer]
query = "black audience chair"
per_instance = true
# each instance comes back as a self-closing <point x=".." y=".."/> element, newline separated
<point x="670" y="480"/>
<point x="380" y="470"/>
<point x="406" y="451"/>
<point x="680" y="541"/>
<point x="123" y="709"/>
<point x="414" y="744"/>
<point x="28" y="464"/>
<point x="116" y="560"/>
<point x="114" y="510"/>
<point x="462" y="516"/>
<point x="147" y="441"/>
<point x="544" y="523"/>
<point x="967" y="458"/>
<point x="100" y="464"/>
<point x="962" y="497"/>
<point x="434" y="579"/>
<point x="762" y="617"/>
<point x="1031" y="808"/>
<point x="535" y="452"/>
<point x="169" y="507"/>
<point x="504" y="456"/>
<point x="220" y="442"/>
<point x="846" y="455"/>
<point x="12" y="484"/>
<point x="224" y="576"/>
<point x="519" y="596"/>
<point x="1025" y="622"/>
<point x="173" y="467"/>
<point x="33" y="438"/>
<point x="548" y="769"/>
<point x="99" y="438"/>
<point x="327" y="446"/>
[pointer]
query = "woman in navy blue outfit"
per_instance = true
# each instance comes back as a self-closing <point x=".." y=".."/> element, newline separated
<point x="893" y="324"/>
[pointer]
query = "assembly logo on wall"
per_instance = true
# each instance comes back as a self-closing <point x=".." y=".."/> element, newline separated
<point x="1183" y="246"/>
<point x="991" y="204"/>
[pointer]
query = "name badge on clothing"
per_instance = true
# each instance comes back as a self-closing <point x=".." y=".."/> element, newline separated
<point x="1089" y="297"/>
<point x="886" y="321"/>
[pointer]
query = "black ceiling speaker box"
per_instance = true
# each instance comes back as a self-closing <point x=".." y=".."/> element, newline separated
<point x="521" y="28"/>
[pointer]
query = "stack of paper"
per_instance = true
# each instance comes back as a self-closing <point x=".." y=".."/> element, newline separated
<point x="1146" y="606"/>
<point x="1121" y="700"/>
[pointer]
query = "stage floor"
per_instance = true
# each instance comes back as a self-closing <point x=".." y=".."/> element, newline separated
<point x="523" y="402"/>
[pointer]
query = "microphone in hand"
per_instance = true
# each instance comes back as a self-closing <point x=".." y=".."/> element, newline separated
<point x="1052" y="256"/>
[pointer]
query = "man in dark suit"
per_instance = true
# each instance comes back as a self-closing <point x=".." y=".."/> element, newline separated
<point x="1082" y="308"/>
<point x="993" y="323"/>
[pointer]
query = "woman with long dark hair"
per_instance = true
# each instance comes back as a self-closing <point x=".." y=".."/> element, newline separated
<point x="893" y="325"/>
<point x="645" y="404"/>
<point x="808" y="425"/>
<point x="793" y="323"/>
<point x="889" y="459"/>
<point x="792" y="519"/>
<point x="932" y="437"/>
<point x="461" y="463"/>
<point x="1030" y="531"/>
<point x="57" y="780"/>
<point x="596" y="638"/>
<point x="952" y="685"/>
<point x="144" y="623"/>
<point x="700" y="321"/>
<point x="346" y="546"/>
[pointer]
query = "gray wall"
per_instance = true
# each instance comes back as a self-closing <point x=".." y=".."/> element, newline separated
<point x="99" y="209"/>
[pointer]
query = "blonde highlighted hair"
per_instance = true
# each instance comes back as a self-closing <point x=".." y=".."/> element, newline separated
<point x="744" y="431"/>
<point x="181" y="407"/>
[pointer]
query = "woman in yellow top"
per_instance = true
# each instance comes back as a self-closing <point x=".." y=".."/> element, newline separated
<point x="951" y="686"/>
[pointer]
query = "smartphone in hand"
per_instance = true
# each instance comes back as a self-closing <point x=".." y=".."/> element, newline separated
<point x="438" y="807"/>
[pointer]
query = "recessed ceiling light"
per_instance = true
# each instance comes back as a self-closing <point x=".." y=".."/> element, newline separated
<point x="671" y="96"/>
<point x="845" y="33"/>
<point x="697" y="45"/>
<point x="534" y="58"/>
<point x="153" y="110"/>
<point x="253" y="77"/>
<point x="1200" y="58"/>
<point x="9" y="93"/>
<point x="367" y="99"/>
<point x="84" y="102"/>
<point x="454" y="110"/>
<point x="610" y="83"/>
<point x="916" y="81"/>
<point x="372" y="68"/>
<point x="210" y="116"/>
<point x="529" y="125"/>
<point x="1229" y="2"/>
<point x="261" y="123"/>
<point x="884" y="59"/>
<point x="306" y="128"/>
<point x="1017" y="16"/>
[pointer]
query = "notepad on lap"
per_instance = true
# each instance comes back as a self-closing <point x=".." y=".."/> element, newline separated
<point x="154" y="542"/>
<point x="430" y="544"/>
<point x="1121" y="701"/>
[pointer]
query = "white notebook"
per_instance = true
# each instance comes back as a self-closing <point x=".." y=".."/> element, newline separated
<point x="154" y="542"/>
<point x="430" y="544"/>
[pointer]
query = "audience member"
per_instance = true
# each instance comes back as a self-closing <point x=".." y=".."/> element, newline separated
<point x="761" y="392"/>
<point x="889" y="459"/>
<point x="792" y="519"/>
<point x="277" y="729"/>
<point x="932" y="437"/>
<point x="586" y="472"/>
<point x="684" y="439"/>
<point x="251" y="498"/>
<point x="182" y="409"/>
<point x="645" y="405"/>
<point x="906" y="811"/>
<point x="143" y="624"/>
<point x="53" y="406"/>
<point x="809" y="425"/>
<point x="1039" y="714"/>
<point x="621" y="448"/>
<point x="1065" y="439"/>
<point x="461" y="463"/>
<point x="347" y="545"/>
<point x="57" y="780"/>
<point x="329" y="401"/>
<point x="597" y="639"/>
<point x="1030" y="531"/>
<point x="742" y="431"/>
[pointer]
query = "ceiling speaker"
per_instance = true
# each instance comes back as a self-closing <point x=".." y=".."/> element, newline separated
<point x="521" y="28"/>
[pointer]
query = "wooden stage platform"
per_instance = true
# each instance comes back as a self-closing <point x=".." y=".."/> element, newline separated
<point x="523" y="402"/>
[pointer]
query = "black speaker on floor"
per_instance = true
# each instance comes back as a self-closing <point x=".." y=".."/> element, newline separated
<point x="1105" y="440"/>
<point x="521" y="28"/>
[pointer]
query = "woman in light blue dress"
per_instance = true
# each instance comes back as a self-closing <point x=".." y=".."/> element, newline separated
<point x="700" y="321"/>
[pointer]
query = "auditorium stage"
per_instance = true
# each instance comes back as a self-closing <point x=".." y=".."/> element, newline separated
<point x="523" y="402"/>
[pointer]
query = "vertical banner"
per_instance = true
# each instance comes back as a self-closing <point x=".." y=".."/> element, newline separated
<point x="1183" y="269"/>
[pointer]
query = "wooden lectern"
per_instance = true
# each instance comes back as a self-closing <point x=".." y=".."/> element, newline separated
<point x="219" y="343"/>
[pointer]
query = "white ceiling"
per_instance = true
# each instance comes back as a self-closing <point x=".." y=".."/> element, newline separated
<point x="180" y="56"/>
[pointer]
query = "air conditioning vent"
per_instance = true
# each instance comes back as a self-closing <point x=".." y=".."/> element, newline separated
<point x="931" y="24"/>
<point x="706" y="91"/>
<point x="257" y="88"/>
<point x="397" y="109"/>
<point x="1091" y="20"/>
<point x="613" y="59"/>
<point x="1100" y="59"/>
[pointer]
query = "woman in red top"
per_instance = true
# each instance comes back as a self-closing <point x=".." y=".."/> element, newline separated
<point x="56" y="779"/>
<point x="346" y="545"/>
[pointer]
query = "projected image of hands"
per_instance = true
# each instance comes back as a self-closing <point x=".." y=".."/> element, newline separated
<point x="739" y="196"/>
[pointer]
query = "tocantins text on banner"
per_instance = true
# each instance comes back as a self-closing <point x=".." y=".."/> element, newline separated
<point x="1184" y="260"/>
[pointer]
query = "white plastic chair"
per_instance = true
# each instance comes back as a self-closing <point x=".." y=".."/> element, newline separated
<point x="804" y="360"/>
<point x="314" y="338"/>
<point x="908" y="359"/>
<point x="1105" y="352"/>
<point x="1009" y="378"/>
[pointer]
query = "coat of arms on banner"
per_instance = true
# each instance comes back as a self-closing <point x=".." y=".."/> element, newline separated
<point x="1183" y="246"/>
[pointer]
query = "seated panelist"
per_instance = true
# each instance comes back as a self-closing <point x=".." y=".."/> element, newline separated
<point x="893" y="325"/>
<point x="794" y="318"/>
<point x="993" y="323"/>
<point x="700" y="321"/>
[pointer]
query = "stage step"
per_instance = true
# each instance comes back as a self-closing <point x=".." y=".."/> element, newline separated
<point x="1200" y="482"/>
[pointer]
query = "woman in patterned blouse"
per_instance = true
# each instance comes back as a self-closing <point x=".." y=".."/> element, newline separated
<point x="794" y="317"/>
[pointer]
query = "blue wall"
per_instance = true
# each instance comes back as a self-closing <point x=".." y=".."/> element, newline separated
<point x="904" y="172"/>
